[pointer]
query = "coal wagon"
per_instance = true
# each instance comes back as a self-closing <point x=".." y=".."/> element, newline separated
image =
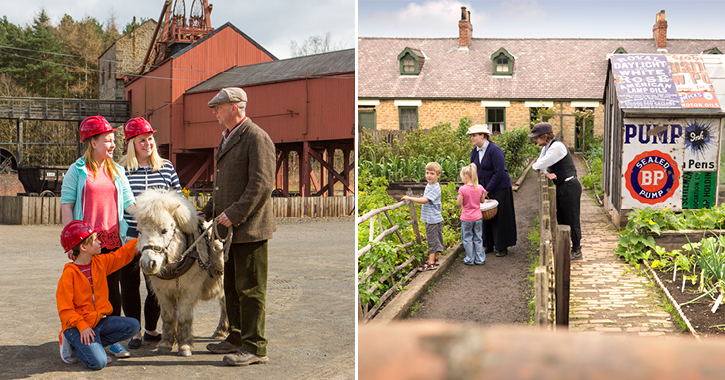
<point x="44" y="181"/>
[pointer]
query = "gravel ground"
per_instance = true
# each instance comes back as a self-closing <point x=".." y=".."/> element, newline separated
<point x="310" y="311"/>
<point x="494" y="293"/>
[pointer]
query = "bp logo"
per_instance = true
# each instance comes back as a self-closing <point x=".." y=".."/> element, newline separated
<point x="652" y="177"/>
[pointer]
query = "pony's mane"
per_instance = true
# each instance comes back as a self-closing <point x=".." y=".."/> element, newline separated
<point x="154" y="204"/>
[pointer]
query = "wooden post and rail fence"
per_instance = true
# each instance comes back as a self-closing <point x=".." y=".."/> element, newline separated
<point x="552" y="276"/>
<point x="22" y="210"/>
<point x="367" y="311"/>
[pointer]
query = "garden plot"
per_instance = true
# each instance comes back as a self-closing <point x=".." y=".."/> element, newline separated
<point x="695" y="280"/>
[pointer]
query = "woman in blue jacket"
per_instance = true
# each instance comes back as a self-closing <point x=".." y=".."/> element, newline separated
<point x="500" y="231"/>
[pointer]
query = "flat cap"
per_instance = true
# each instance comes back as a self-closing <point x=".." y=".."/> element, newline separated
<point x="540" y="129"/>
<point x="478" y="128"/>
<point x="228" y="95"/>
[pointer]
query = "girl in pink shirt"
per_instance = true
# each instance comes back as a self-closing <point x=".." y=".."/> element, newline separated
<point x="470" y="196"/>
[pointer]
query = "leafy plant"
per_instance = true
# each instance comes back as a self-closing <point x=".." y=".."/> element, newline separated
<point x="451" y="148"/>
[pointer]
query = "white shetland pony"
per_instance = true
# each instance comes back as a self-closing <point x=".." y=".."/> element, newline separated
<point x="168" y="224"/>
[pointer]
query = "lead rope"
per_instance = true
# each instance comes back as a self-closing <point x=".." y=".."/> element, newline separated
<point x="226" y="243"/>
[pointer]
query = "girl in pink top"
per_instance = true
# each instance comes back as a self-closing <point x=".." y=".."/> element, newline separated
<point x="470" y="196"/>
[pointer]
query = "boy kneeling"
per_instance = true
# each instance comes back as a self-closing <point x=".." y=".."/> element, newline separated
<point x="82" y="297"/>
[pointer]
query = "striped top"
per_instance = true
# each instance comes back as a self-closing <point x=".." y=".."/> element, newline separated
<point x="431" y="212"/>
<point x="142" y="179"/>
<point x="86" y="270"/>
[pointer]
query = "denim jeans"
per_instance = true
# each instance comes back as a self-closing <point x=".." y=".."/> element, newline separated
<point x="473" y="242"/>
<point x="109" y="330"/>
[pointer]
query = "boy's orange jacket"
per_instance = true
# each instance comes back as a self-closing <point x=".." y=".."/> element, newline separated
<point x="80" y="307"/>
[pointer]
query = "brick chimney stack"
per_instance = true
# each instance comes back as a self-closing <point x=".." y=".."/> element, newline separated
<point x="465" y="29"/>
<point x="659" y="31"/>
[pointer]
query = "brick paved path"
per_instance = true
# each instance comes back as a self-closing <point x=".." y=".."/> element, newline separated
<point x="602" y="299"/>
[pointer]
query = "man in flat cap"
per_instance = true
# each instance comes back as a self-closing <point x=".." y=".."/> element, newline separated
<point x="556" y="159"/>
<point x="243" y="182"/>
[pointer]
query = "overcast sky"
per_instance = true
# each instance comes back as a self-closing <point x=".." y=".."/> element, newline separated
<point x="272" y="23"/>
<point x="542" y="18"/>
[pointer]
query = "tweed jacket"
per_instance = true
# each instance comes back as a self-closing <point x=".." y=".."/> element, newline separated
<point x="243" y="184"/>
<point x="492" y="172"/>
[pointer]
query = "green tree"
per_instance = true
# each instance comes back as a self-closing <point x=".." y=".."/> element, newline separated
<point x="45" y="74"/>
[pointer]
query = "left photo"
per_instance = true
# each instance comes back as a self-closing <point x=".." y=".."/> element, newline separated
<point x="177" y="189"/>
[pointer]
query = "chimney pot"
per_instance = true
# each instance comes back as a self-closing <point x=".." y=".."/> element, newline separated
<point x="659" y="31"/>
<point x="465" y="29"/>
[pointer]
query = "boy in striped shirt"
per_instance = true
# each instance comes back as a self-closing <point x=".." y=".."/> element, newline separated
<point x="430" y="213"/>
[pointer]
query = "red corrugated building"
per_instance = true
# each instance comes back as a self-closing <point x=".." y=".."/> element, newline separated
<point x="306" y="104"/>
<point x="157" y="95"/>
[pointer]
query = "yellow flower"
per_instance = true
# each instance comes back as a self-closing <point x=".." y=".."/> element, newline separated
<point x="651" y="222"/>
<point x="667" y="208"/>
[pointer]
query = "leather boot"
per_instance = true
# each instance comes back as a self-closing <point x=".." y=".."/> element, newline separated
<point x="576" y="253"/>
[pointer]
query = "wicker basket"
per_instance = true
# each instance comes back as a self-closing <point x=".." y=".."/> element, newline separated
<point x="489" y="208"/>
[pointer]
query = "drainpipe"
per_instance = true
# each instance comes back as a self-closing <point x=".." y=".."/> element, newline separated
<point x="307" y="103"/>
<point x="561" y="120"/>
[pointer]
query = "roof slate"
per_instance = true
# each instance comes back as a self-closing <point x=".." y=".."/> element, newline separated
<point x="337" y="62"/>
<point x="544" y="68"/>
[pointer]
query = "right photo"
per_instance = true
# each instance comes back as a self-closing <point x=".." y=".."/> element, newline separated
<point x="540" y="189"/>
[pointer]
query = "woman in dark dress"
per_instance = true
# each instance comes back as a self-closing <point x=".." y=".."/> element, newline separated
<point x="500" y="231"/>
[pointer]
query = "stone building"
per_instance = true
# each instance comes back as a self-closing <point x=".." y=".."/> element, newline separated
<point x="125" y="56"/>
<point x="418" y="82"/>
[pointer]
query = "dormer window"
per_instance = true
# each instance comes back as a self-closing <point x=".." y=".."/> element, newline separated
<point x="712" y="51"/>
<point x="502" y="65"/>
<point x="408" y="65"/>
<point x="411" y="61"/>
<point x="620" y="50"/>
<point x="503" y="62"/>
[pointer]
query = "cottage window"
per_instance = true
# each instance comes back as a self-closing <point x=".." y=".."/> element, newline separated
<point x="408" y="117"/>
<point x="535" y="115"/>
<point x="366" y="117"/>
<point x="496" y="119"/>
<point x="408" y="65"/>
<point x="502" y="65"/>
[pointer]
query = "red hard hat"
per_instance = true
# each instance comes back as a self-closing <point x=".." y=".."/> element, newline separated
<point x="74" y="233"/>
<point x="136" y="126"/>
<point x="94" y="125"/>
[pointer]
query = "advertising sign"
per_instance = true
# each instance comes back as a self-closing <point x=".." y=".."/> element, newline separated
<point x="644" y="81"/>
<point x="670" y="162"/>
<point x="692" y="81"/>
<point x="662" y="81"/>
<point x="698" y="189"/>
<point x="652" y="153"/>
<point x="702" y="138"/>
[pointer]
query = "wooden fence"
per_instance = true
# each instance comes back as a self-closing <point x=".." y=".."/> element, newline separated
<point x="367" y="311"/>
<point x="46" y="210"/>
<point x="115" y="111"/>
<point x="552" y="276"/>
